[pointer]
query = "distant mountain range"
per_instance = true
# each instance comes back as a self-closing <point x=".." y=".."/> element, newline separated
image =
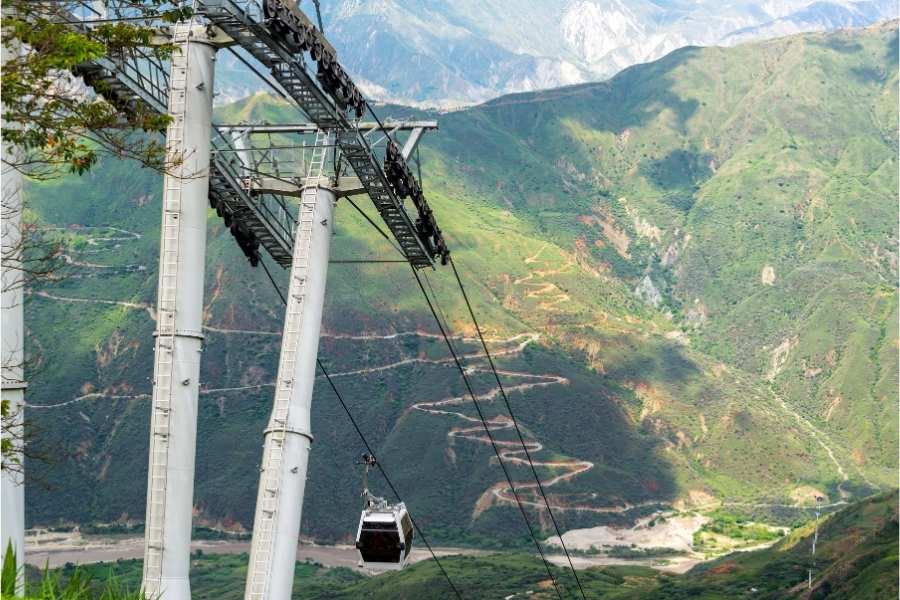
<point x="451" y="53"/>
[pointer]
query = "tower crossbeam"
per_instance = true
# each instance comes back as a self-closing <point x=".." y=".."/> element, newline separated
<point x="241" y="20"/>
<point x="139" y="79"/>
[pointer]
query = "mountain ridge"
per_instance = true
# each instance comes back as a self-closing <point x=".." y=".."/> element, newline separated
<point x="462" y="53"/>
<point x="557" y="212"/>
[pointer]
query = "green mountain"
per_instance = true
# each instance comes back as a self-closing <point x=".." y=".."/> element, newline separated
<point x="751" y="193"/>
<point x="856" y="557"/>
<point x="686" y="274"/>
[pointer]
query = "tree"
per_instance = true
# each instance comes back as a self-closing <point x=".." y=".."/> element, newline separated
<point x="12" y="440"/>
<point x="55" y="122"/>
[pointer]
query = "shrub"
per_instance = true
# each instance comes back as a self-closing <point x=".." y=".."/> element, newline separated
<point x="77" y="585"/>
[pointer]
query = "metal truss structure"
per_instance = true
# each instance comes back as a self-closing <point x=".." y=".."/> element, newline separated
<point x="275" y="187"/>
<point x="267" y="218"/>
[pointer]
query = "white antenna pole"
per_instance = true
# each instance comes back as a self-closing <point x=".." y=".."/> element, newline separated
<point x="12" y="481"/>
<point x="170" y="480"/>
<point x="276" y="526"/>
<point x="815" y="539"/>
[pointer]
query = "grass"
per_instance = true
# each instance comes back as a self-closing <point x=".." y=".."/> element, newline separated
<point x="639" y="553"/>
<point x="67" y="584"/>
<point x="726" y="532"/>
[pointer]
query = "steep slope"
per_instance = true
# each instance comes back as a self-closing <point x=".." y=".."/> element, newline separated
<point x="750" y="193"/>
<point x="856" y="557"/>
<point x="580" y="253"/>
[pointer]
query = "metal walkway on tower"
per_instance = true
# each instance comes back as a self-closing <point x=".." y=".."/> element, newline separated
<point x="139" y="78"/>
<point x="257" y="218"/>
<point x="243" y="21"/>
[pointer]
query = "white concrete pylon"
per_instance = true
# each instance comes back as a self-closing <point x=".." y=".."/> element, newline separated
<point x="279" y="503"/>
<point x="12" y="349"/>
<point x="179" y="305"/>
<point x="12" y="484"/>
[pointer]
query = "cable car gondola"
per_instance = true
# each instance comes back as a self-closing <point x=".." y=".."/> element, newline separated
<point x="385" y="534"/>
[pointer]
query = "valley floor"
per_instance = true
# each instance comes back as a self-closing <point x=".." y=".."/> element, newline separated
<point x="76" y="549"/>
<point x="58" y="549"/>
<point x="856" y="558"/>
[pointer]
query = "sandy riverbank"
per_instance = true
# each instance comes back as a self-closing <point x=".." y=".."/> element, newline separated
<point x="57" y="549"/>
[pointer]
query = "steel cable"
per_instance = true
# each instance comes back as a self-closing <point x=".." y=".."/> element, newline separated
<point x="487" y="429"/>
<point x="515" y="424"/>
<point x="368" y="446"/>
<point x="437" y="313"/>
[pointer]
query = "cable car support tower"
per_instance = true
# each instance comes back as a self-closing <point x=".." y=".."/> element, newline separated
<point x="252" y="191"/>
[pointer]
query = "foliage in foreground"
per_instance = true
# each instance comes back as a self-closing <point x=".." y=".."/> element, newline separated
<point x="58" y="127"/>
<point x="222" y="576"/>
<point x="78" y="584"/>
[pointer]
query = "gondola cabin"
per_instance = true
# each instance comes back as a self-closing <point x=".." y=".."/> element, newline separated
<point x="384" y="538"/>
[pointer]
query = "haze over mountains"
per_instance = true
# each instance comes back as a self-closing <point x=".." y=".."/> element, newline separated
<point x="452" y="53"/>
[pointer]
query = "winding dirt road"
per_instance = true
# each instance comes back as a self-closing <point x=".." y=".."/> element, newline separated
<point x="472" y="429"/>
<point x="511" y="450"/>
<point x="501" y="426"/>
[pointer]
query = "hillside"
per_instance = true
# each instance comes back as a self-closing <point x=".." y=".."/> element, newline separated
<point x="748" y="192"/>
<point x="856" y="557"/>
<point x="664" y="263"/>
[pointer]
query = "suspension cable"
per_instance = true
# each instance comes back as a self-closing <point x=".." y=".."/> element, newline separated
<point x="377" y="227"/>
<point x="272" y="280"/>
<point x="487" y="429"/>
<point x="437" y="313"/>
<point x="366" y="261"/>
<point x="515" y="424"/>
<point x="275" y="87"/>
<point x="505" y="397"/>
<point x="386" y="478"/>
<point x="319" y="16"/>
<point x="369" y="447"/>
